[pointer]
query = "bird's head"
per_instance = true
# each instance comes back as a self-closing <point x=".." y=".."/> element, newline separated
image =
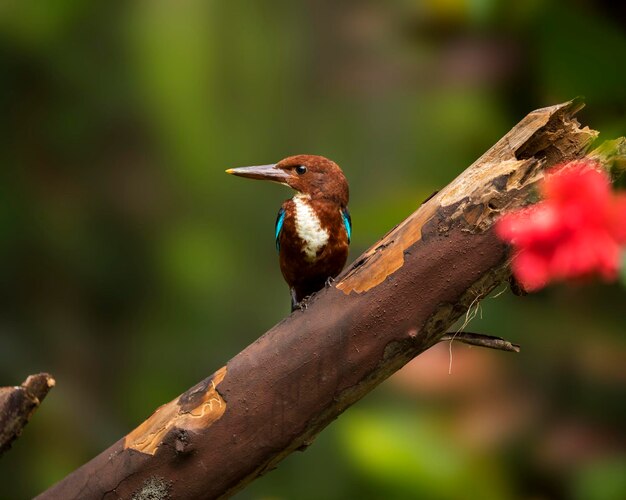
<point x="311" y="175"/>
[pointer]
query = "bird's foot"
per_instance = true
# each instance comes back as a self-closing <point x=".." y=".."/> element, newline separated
<point x="329" y="281"/>
<point x="304" y="303"/>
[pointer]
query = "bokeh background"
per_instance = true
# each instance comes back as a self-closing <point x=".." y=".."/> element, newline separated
<point x="131" y="266"/>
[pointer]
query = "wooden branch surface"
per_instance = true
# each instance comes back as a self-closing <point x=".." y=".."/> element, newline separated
<point x="392" y="303"/>
<point x="18" y="403"/>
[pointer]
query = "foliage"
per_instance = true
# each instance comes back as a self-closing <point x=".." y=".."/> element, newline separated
<point x="132" y="266"/>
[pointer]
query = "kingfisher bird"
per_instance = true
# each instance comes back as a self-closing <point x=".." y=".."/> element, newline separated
<point x="313" y="229"/>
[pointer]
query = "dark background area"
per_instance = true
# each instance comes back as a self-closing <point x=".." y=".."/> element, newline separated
<point x="132" y="267"/>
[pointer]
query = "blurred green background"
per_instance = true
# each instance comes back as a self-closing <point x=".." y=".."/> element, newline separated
<point x="132" y="267"/>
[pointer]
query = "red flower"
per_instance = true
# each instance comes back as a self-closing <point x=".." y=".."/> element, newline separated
<point x="577" y="230"/>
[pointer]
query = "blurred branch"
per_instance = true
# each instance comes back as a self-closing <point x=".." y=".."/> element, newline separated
<point x="394" y="302"/>
<point x="18" y="403"/>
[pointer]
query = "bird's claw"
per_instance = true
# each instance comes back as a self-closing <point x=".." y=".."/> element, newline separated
<point x="302" y="305"/>
<point x="329" y="281"/>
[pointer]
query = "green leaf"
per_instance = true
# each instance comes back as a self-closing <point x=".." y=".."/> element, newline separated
<point x="601" y="480"/>
<point x="413" y="456"/>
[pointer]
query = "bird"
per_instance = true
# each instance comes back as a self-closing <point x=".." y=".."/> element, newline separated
<point x="313" y="229"/>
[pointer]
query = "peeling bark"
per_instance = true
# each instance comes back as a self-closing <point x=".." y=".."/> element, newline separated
<point x="394" y="302"/>
<point x="18" y="403"/>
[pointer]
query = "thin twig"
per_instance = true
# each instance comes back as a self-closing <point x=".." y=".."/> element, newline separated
<point x="480" y="340"/>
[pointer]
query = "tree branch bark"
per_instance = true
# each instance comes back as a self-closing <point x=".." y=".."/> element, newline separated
<point x="394" y="302"/>
<point x="18" y="403"/>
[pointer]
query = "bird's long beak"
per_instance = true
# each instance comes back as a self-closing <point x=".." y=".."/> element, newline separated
<point x="263" y="172"/>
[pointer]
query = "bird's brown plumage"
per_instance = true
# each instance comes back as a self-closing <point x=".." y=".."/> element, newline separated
<point x="313" y="237"/>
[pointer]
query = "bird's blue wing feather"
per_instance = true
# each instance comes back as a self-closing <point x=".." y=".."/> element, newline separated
<point x="280" y="219"/>
<point x="347" y="222"/>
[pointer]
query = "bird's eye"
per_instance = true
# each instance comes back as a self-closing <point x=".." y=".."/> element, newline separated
<point x="300" y="169"/>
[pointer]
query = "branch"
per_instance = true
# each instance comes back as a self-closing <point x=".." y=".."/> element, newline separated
<point x="480" y="340"/>
<point x="394" y="302"/>
<point x="18" y="403"/>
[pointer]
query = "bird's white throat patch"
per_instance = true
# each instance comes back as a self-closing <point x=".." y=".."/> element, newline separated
<point x="309" y="227"/>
